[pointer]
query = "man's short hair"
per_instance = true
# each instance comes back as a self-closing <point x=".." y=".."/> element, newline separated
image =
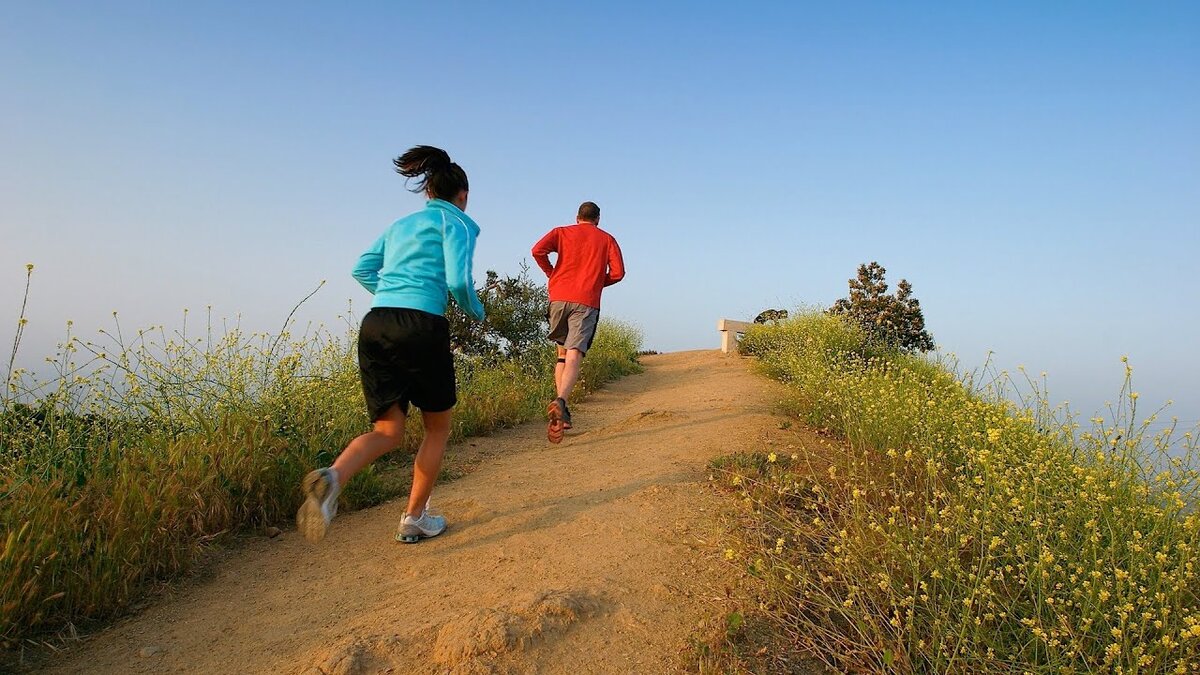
<point x="589" y="211"/>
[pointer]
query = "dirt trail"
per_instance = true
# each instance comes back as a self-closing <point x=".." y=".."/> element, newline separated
<point x="598" y="555"/>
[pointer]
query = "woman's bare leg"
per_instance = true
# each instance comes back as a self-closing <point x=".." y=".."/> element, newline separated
<point x="387" y="435"/>
<point x="428" y="462"/>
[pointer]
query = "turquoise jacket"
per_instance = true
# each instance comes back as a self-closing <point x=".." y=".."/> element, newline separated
<point x="420" y="259"/>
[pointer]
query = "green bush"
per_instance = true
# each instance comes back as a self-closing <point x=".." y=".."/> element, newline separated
<point x="613" y="355"/>
<point x="516" y="323"/>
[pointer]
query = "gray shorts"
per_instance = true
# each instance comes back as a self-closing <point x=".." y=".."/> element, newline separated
<point x="572" y="325"/>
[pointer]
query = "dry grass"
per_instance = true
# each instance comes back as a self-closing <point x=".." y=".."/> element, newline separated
<point x="141" y="450"/>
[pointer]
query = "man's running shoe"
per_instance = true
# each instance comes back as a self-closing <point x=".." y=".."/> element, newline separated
<point x="555" y="424"/>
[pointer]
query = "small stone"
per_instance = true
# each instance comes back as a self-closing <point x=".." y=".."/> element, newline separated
<point x="147" y="652"/>
<point x="272" y="532"/>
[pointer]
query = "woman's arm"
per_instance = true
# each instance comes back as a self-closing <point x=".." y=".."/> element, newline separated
<point x="458" y="244"/>
<point x="366" y="272"/>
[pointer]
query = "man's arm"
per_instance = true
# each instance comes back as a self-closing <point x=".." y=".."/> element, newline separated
<point x="616" y="264"/>
<point x="542" y="250"/>
<point x="366" y="272"/>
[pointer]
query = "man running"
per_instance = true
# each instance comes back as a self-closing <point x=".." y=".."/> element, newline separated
<point x="588" y="260"/>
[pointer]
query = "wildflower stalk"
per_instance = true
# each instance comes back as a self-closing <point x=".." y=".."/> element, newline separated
<point x="21" y="321"/>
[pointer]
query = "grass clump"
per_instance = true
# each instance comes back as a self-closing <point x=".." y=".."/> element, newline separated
<point x="613" y="355"/>
<point x="958" y="531"/>
<point x="141" y="449"/>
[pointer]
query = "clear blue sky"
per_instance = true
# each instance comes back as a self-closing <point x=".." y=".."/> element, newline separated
<point x="1032" y="168"/>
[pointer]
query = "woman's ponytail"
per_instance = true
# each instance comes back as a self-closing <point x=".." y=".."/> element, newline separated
<point x="437" y="175"/>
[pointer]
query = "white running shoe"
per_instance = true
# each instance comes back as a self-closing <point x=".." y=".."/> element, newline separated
<point x="321" y="491"/>
<point x="413" y="530"/>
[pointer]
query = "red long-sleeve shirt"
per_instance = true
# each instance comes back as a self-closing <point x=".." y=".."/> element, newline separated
<point x="588" y="260"/>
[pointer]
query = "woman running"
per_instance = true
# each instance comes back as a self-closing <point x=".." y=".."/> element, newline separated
<point x="404" y="343"/>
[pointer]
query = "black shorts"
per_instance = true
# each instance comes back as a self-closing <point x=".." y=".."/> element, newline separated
<point x="404" y="357"/>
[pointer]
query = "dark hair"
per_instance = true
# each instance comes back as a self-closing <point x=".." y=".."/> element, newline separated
<point x="438" y="175"/>
<point x="589" y="211"/>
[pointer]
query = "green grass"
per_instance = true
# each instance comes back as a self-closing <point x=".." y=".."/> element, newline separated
<point x="957" y="531"/>
<point x="139" y="452"/>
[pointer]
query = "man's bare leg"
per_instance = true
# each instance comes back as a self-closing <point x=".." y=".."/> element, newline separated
<point x="570" y="372"/>
<point x="566" y="375"/>
<point x="559" y="367"/>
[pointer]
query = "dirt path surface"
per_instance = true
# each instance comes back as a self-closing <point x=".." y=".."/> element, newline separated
<point x="599" y="555"/>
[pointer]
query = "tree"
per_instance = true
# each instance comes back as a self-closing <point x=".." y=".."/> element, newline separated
<point x="894" y="320"/>
<point x="516" y="308"/>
